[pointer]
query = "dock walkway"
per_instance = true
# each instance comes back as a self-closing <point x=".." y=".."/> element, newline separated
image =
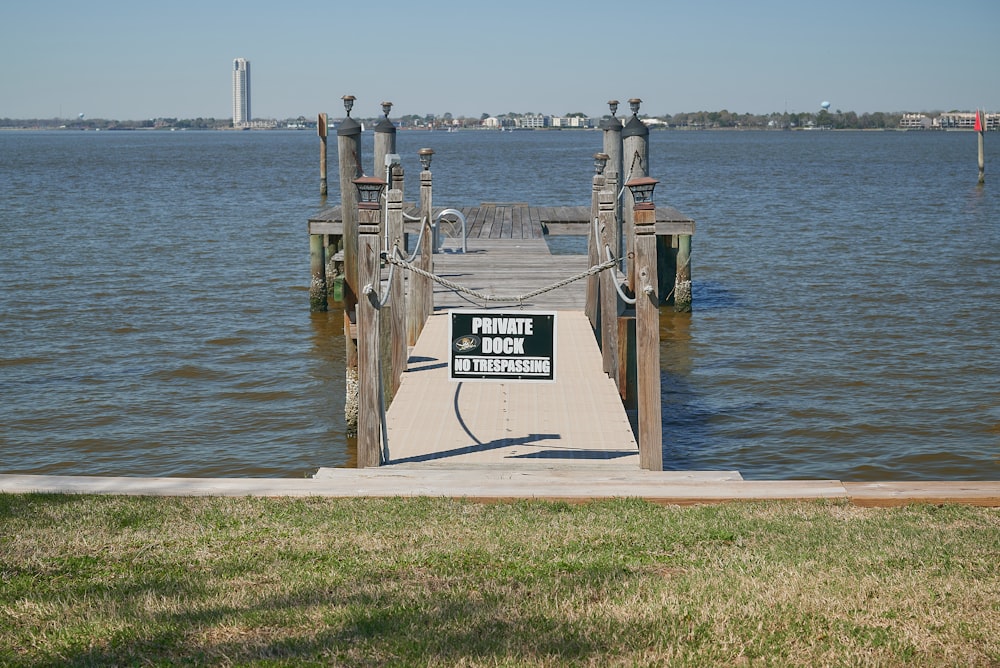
<point x="578" y="420"/>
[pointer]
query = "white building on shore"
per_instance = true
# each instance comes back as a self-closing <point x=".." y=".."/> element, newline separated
<point x="241" y="93"/>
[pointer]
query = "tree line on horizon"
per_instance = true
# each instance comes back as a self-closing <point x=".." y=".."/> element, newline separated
<point x="824" y="118"/>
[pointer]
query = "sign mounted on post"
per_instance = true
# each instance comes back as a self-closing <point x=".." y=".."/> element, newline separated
<point x="504" y="347"/>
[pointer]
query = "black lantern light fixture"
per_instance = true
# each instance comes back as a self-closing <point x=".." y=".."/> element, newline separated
<point x="633" y="104"/>
<point x="369" y="192"/>
<point x="642" y="191"/>
<point x="600" y="162"/>
<point x="386" y="108"/>
<point x="613" y="106"/>
<point x="348" y="103"/>
<point x="425" y="158"/>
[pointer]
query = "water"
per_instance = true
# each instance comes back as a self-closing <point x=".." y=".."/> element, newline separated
<point x="154" y="308"/>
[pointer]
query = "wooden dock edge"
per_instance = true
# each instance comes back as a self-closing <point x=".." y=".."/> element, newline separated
<point x="576" y="486"/>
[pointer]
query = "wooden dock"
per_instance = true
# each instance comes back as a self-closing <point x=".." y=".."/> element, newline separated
<point x="515" y="220"/>
<point x="578" y="421"/>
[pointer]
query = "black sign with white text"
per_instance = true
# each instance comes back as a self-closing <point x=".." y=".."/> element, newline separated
<point x="492" y="345"/>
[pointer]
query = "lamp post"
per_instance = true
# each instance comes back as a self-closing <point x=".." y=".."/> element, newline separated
<point x="647" y="323"/>
<point x="369" y="193"/>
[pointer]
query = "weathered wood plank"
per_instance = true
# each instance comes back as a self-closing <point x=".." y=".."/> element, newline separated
<point x="506" y="219"/>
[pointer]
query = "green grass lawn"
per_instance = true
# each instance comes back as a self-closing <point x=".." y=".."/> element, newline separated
<point x="104" y="580"/>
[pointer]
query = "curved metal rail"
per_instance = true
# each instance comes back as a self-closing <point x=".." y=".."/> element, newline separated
<point x="436" y="234"/>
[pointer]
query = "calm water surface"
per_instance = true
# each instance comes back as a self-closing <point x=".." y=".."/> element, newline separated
<point x="154" y="310"/>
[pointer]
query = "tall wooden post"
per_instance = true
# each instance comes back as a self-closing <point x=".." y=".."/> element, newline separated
<point x="647" y="336"/>
<point x="317" y="243"/>
<point x="369" y="251"/>
<point x="317" y="271"/>
<point x="594" y="254"/>
<point x="349" y="156"/>
<point x="322" y="130"/>
<point x="635" y="147"/>
<point x="682" y="279"/>
<point x="385" y="143"/>
<point x="421" y="301"/>
<point x="609" y="295"/>
<point x="981" y="129"/>
<point x="613" y="148"/>
<point x="397" y="295"/>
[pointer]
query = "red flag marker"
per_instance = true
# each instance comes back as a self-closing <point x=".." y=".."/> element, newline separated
<point x="979" y="121"/>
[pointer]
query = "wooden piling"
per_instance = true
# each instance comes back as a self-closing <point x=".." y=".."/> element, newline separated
<point x="349" y="158"/>
<point x="682" y="280"/>
<point x="613" y="148"/>
<point x="385" y="143"/>
<point x="317" y="270"/>
<point x="647" y="338"/>
<point x="420" y="303"/>
<point x="321" y="128"/>
<point x="592" y="304"/>
<point x="635" y="150"/>
<point x="608" y="293"/>
<point x="981" y="128"/>
<point x="397" y="296"/>
<point x="369" y="236"/>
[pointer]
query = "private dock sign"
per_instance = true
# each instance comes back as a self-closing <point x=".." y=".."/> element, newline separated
<point x="505" y="347"/>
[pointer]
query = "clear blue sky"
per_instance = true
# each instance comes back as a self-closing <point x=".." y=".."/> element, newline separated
<point x="136" y="60"/>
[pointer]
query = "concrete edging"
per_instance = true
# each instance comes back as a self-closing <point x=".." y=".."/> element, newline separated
<point x="501" y="485"/>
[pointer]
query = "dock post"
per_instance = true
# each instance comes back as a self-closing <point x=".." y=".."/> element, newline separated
<point x="609" y="295"/>
<point x="594" y="254"/>
<point x="317" y="271"/>
<point x="369" y="257"/>
<point x="613" y="148"/>
<point x="397" y="293"/>
<point x="981" y="129"/>
<point x="682" y="280"/>
<point x="321" y="129"/>
<point x="385" y="143"/>
<point x="647" y="325"/>
<point x="421" y="301"/>
<point x="349" y="158"/>
<point x="635" y="148"/>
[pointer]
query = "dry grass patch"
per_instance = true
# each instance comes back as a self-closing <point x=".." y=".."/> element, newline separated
<point x="124" y="580"/>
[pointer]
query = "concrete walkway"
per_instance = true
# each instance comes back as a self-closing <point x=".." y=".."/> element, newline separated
<point x="492" y="483"/>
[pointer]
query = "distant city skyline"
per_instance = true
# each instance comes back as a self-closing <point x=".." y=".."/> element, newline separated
<point x="137" y="61"/>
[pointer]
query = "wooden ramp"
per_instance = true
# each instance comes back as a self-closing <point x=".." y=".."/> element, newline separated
<point x="577" y="421"/>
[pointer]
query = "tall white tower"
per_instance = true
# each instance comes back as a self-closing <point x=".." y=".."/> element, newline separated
<point x="241" y="92"/>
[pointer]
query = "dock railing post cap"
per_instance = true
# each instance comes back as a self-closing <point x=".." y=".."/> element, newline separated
<point x="384" y="125"/>
<point x="348" y="127"/>
<point x="369" y="191"/>
<point x="600" y="162"/>
<point x="425" y="158"/>
<point x="642" y="191"/>
<point x="635" y="127"/>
